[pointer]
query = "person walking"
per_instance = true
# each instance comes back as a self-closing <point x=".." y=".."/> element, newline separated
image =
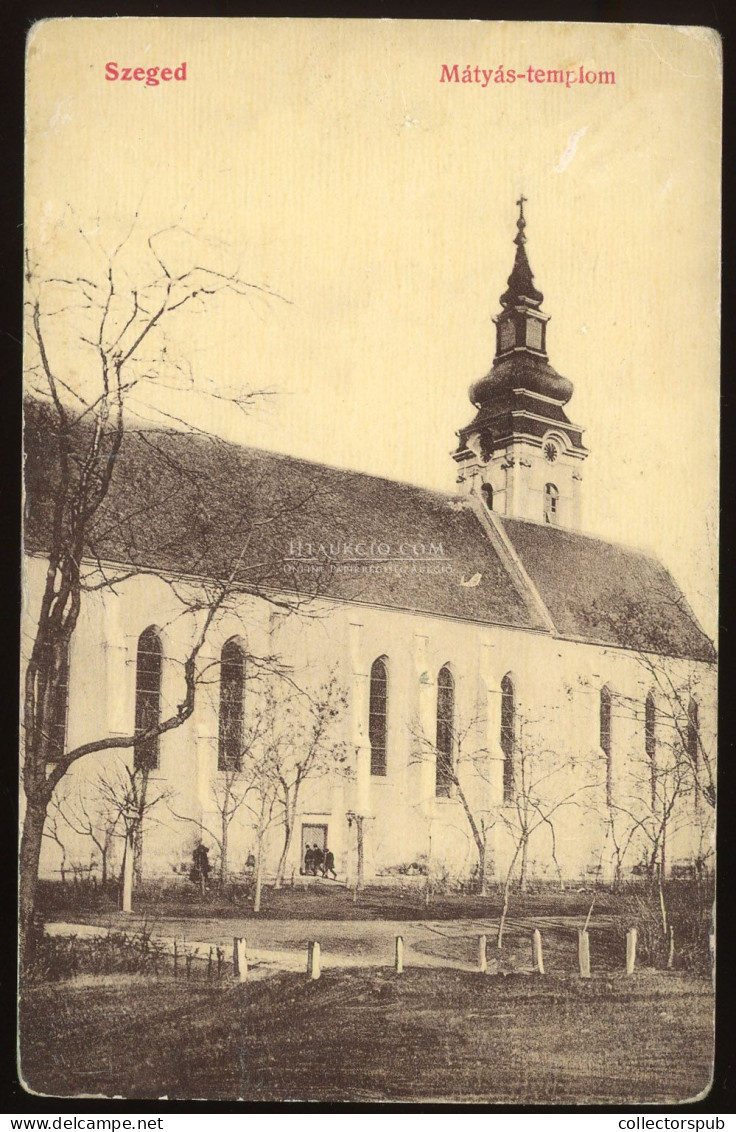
<point x="309" y="861"/>
<point x="329" y="865"/>
<point x="318" y="857"/>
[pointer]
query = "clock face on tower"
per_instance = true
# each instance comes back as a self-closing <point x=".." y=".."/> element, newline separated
<point x="550" y="452"/>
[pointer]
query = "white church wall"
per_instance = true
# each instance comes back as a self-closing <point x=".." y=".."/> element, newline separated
<point x="557" y="686"/>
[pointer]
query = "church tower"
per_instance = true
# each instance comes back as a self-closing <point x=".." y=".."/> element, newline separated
<point x="521" y="454"/>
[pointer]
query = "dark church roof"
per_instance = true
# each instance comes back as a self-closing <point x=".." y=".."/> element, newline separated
<point x="189" y="503"/>
<point x="597" y="590"/>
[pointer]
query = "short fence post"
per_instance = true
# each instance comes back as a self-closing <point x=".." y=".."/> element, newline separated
<point x="671" y="948"/>
<point x="537" y="951"/>
<point x="630" y="951"/>
<point x="127" y="893"/>
<point x="399" y="956"/>
<point x="584" y="954"/>
<point x="240" y="962"/>
<point x="313" y="961"/>
<point x="482" y="959"/>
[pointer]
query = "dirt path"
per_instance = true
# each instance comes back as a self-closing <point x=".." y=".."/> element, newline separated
<point x="281" y="945"/>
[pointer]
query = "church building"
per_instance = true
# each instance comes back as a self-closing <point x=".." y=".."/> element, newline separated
<point x="506" y="680"/>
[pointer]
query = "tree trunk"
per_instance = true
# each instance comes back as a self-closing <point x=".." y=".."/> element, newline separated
<point x="288" y="835"/>
<point x="30" y="854"/>
<point x="259" y="876"/>
<point x="138" y="855"/>
<point x="504" y="910"/>
<point x="662" y="905"/>
<point x="506" y="891"/>
<point x="360" y="876"/>
<point x="126" y="882"/>
<point x="224" y="849"/>
<point x="482" y="868"/>
<point x="427" y="892"/>
<point x="524" y="865"/>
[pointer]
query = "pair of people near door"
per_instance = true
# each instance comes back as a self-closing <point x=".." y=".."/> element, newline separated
<point x="317" y="863"/>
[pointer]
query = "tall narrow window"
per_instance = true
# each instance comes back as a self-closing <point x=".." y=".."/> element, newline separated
<point x="551" y="503"/>
<point x="691" y="745"/>
<point x="445" y="732"/>
<point x="232" y="690"/>
<point x="148" y="698"/>
<point x="60" y="706"/>
<point x="650" y="744"/>
<point x="606" y="740"/>
<point x="487" y="493"/>
<point x="508" y="736"/>
<point x="378" y="716"/>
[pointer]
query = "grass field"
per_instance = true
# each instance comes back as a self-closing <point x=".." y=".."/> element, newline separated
<point x="370" y="1034"/>
<point x="323" y="900"/>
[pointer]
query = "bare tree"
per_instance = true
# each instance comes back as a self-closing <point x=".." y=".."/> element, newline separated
<point x="55" y="823"/>
<point x="124" y="791"/>
<point x="678" y="682"/>
<point x="261" y="771"/>
<point x="230" y="788"/>
<point x="308" y="748"/>
<point x="89" y="815"/>
<point x="229" y="792"/>
<point x="465" y="774"/>
<point x="360" y="821"/>
<point x="656" y="800"/>
<point x="544" y="782"/>
<point x="680" y="690"/>
<point x="97" y="341"/>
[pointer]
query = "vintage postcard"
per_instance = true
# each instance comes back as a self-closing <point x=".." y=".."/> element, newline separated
<point x="370" y="592"/>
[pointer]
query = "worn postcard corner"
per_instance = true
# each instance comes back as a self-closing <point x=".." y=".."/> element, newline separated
<point x="371" y="404"/>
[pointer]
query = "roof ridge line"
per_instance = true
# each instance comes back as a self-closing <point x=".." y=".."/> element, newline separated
<point x="256" y="450"/>
<point x="515" y="569"/>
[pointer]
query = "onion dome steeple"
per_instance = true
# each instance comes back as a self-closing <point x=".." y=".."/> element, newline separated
<point x="521" y="360"/>
<point x="520" y="431"/>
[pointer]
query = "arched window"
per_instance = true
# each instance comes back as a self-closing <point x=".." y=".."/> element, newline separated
<point x="60" y="707"/>
<point x="606" y="740"/>
<point x="148" y="697"/>
<point x="232" y="690"/>
<point x="508" y="736"/>
<point x="691" y="744"/>
<point x="445" y="732"/>
<point x="378" y="716"/>
<point x="650" y="744"/>
<point x="487" y="493"/>
<point x="551" y="503"/>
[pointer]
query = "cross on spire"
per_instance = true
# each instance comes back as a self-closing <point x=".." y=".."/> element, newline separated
<point x="521" y="222"/>
<point x="521" y="281"/>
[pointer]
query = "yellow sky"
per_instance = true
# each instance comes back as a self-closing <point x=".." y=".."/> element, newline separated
<point x="328" y="161"/>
